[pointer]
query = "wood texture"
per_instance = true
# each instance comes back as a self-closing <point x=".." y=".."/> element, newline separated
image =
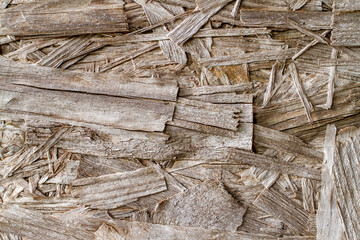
<point x="311" y="20"/>
<point x="346" y="172"/>
<point x="284" y="142"/>
<point x="179" y="119"/>
<point x="303" y="98"/>
<point x="350" y="5"/>
<point x="328" y="219"/>
<point x="140" y="230"/>
<point x="107" y="84"/>
<point x="345" y="30"/>
<point x="190" y="209"/>
<point x="248" y="58"/>
<point x="115" y="190"/>
<point x="191" y="25"/>
<point x="34" y="225"/>
<point x="71" y="106"/>
<point x="50" y="18"/>
<point x="283" y="208"/>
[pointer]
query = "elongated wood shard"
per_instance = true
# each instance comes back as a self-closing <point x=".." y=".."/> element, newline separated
<point x="20" y="74"/>
<point x="328" y="218"/>
<point x="71" y="47"/>
<point x="284" y="142"/>
<point x="34" y="225"/>
<point x="73" y="107"/>
<point x="115" y="190"/>
<point x="345" y="29"/>
<point x="26" y="157"/>
<point x="155" y="13"/>
<point x="268" y="177"/>
<point x="310" y="20"/>
<point x="297" y="4"/>
<point x="248" y="58"/>
<point x="304" y="100"/>
<point x="52" y="18"/>
<point x="207" y="90"/>
<point x="346" y="172"/>
<point x="292" y="118"/>
<point x="106" y="232"/>
<point x="207" y="205"/>
<point x="207" y="114"/>
<point x="191" y="25"/>
<point x="141" y="230"/>
<point x="269" y="163"/>
<point x="278" y="205"/>
<point x="331" y="83"/>
<point x="349" y="5"/>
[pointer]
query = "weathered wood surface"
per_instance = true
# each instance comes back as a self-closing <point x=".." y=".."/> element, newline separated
<point x="190" y="208"/>
<point x="345" y="29"/>
<point x="115" y="190"/>
<point x="283" y="142"/>
<point x="52" y="18"/>
<point x="34" y="225"/>
<point x="285" y="209"/>
<point x="141" y="230"/>
<point x="303" y="98"/>
<point x="132" y="114"/>
<point x="191" y="25"/>
<point x="106" y="141"/>
<point x="292" y="118"/>
<point x="207" y="114"/>
<point x="107" y="84"/>
<point x="248" y="58"/>
<point x="348" y="5"/>
<point x="310" y="20"/>
<point x="346" y="178"/>
<point x="328" y="219"/>
<point x="157" y="125"/>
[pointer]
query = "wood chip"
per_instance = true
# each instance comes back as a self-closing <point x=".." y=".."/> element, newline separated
<point x="304" y="100"/>
<point x="277" y="204"/>
<point x="346" y="176"/>
<point x="35" y="225"/>
<point x="191" y="25"/>
<point x="328" y="218"/>
<point x="331" y="83"/>
<point x="51" y="18"/>
<point x="207" y="114"/>
<point x="191" y="209"/>
<point x="106" y="84"/>
<point x="311" y="20"/>
<point x="248" y="58"/>
<point x="285" y="143"/>
<point x="345" y="30"/>
<point x="297" y="4"/>
<point x="141" y="230"/>
<point x="115" y="190"/>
